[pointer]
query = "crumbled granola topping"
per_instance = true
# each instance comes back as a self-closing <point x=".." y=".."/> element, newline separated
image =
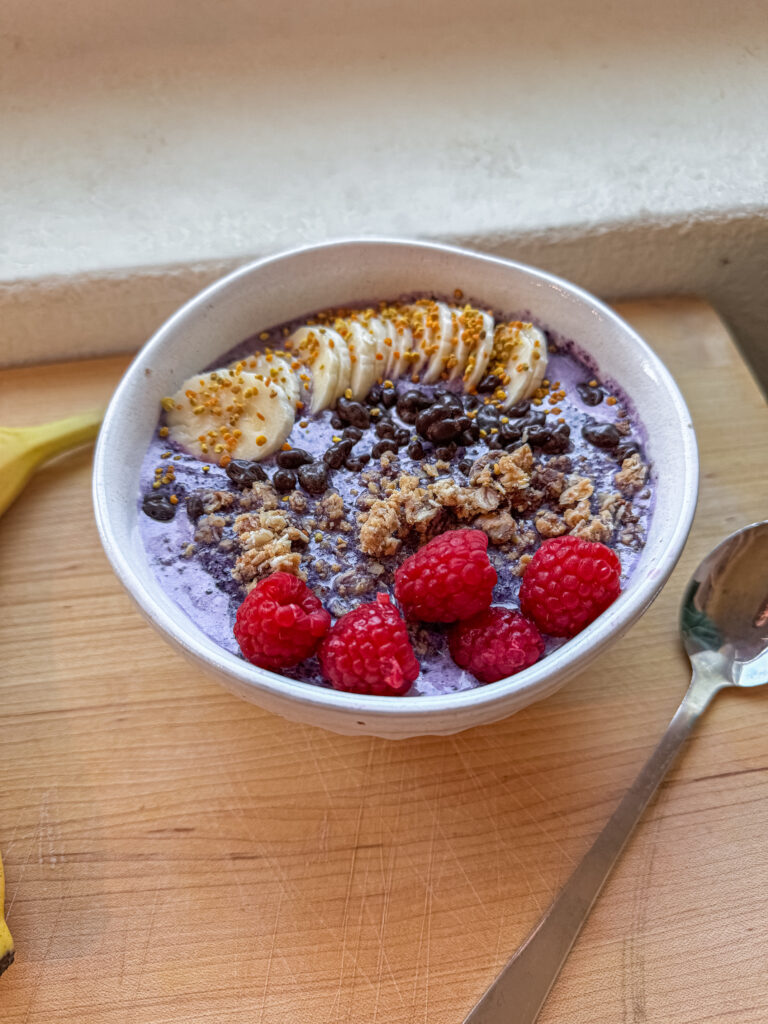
<point x="408" y="508"/>
<point x="297" y="501"/>
<point x="266" y="541"/>
<point x="521" y="565"/>
<point x="500" y="527"/>
<point x="379" y="529"/>
<point x="465" y="502"/>
<point x="632" y="474"/>
<point x="574" y="517"/>
<point x="260" y="495"/>
<point x="595" y="529"/>
<point x="388" y="461"/>
<point x="503" y="487"/>
<point x="507" y="472"/>
<point x="578" y="489"/>
<point x="549" y="524"/>
<point x="209" y="529"/>
<point x="332" y="506"/>
<point x="551" y="482"/>
<point x="514" y="469"/>
<point x="353" y="583"/>
<point x="214" y="501"/>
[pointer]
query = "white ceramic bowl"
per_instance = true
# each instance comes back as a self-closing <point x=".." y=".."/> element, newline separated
<point x="298" y="282"/>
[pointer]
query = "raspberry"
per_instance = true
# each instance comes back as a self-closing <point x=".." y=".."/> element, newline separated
<point x="280" y="623"/>
<point x="368" y="651"/>
<point x="495" y="643"/>
<point x="568" y="583"/>
<point x="450" y="578"/>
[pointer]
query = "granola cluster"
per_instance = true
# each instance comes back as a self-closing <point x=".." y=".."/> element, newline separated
<point x="267" y="541"/>
<point x="506" y="491"/>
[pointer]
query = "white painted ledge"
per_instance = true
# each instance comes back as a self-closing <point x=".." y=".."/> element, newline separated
<point x="148" y="147"/>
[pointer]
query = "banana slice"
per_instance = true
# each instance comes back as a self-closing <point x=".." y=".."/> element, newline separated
<point x="229" y="412"/>
<point x="320" y="348"/>
<point x="366" y="356"/>
<point x="384" y="333"/>
<point x="425" y="324"/>
<point x="479" y="328"/>
<point x="511" y="360"/>
<point x="275" y="368"/>
<point x="522" y="349"/>
<point x="539" y="358"/>
<point x="402" y="345"/>
<point x="345" y="363"/>
<point x="443" y="341"/>
<point x="464" y="339"/>
<point x="460" y="348"/>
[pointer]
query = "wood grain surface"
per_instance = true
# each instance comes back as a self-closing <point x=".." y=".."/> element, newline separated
<point x="175" y="855"/>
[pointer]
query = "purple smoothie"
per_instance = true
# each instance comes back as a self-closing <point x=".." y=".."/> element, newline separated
<point x="198" y="577"/>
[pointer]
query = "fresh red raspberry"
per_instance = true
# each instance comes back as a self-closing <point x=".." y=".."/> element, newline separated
<point x="495" y="643"/>
<point x="368" y="651"/>
<point x="280" y="623"/>
<point x="568" y="583"/>
<point x="450" y="578"/>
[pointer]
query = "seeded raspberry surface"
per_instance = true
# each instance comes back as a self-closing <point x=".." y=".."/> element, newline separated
<point x="368" y="651"/>
<point x="280" y="623"/>
<point x="495" y="643"/>
<point x="568" y="583"/>
<point x="449" y="578"/>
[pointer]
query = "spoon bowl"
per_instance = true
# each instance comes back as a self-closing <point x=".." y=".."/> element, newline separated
<point x="724" y="615"/>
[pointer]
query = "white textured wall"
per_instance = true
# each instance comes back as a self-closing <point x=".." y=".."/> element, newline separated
<point x="623" y="144"/>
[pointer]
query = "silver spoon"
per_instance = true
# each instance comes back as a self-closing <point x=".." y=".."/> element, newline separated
<point x="724" y="625"/>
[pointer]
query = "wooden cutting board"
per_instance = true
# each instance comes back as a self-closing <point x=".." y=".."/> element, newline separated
<point x="174" y="855"/>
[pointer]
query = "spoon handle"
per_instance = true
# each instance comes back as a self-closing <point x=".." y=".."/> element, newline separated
<point x="518" y="993"/>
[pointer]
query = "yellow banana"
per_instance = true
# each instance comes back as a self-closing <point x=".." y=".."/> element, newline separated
<point x="6" y="942"/>
<point x="22" y="449"/>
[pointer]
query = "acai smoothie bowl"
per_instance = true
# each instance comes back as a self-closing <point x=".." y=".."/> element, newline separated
<point x="394" y="487"/>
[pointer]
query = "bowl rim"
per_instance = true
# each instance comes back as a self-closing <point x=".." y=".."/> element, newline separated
<point x="621" y="614"/>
